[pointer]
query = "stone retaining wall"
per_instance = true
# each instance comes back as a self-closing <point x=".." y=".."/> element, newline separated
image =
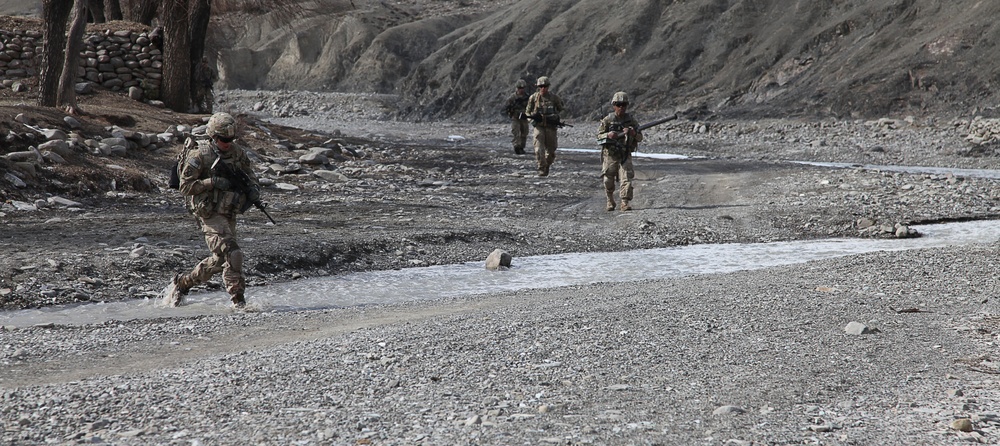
<point x="114" y="60"/>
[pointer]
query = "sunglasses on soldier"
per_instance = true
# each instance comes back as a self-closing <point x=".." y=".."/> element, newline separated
<point x="225" y="139"/>
<point x="620" y="104"/>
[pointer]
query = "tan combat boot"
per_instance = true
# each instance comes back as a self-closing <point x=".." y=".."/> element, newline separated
<point x="611" y="201"/>
<point x="626" y="206"/>
<point x="239" y="301"/>
<point x="173" y="294"/>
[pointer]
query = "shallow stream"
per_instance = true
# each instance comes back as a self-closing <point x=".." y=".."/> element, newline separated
<point x="444" y="281"/>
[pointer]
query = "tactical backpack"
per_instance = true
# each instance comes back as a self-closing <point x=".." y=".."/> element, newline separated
<point x="175" y="177"/>
<point x="175" y="170"/>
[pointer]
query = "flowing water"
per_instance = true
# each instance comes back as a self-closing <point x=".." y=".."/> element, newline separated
<point x="444" y="281"/>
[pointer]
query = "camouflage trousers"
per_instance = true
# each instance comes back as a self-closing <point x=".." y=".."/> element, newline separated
<point x="519" y="134"/>
<point x="204" y="99"/>
<point x="227" y="258"/>
<point x="615" y="168"/>
<point x="546" y="141"/>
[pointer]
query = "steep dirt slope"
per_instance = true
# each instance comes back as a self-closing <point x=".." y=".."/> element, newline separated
<point x="823" y="57"/>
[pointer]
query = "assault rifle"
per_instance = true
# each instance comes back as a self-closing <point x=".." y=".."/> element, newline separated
<point x="241" y="183"/>
<point x="618" y="128"/>
<point x="537" y="117"/>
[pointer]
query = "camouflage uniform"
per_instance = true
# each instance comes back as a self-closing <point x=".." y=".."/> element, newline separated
<point x="616" y="153"/>
<point x="548" y="106"/>
<point x="216" y="206"/>
<point x="204" y="79"/>
<point x="516" y="103"/>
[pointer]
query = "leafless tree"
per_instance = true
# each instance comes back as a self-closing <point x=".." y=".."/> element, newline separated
<point x="140" y="11"/>
<point x="113" y="10"/>
<point x="175" y="90"/>
<point x="74" y="42"/>
<point x="55" y="14"/>
<point x="96" y="10"/>
<point x="185" y="28"/>
<point x="201" y="11"/>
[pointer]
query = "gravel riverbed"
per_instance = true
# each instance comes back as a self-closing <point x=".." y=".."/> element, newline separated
<point x="758" y="357"/>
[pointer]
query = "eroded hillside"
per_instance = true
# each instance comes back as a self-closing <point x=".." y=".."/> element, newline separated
<point x="458" y="58"/>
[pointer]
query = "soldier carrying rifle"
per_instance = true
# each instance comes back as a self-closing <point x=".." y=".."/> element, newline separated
<point x="218" y="183"/>
<point x="543" y="109"/>
<point x="514" y="109"/>
<point x="619" y="135"/>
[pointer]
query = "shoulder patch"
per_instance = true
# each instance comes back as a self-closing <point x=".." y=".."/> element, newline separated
<point x="194" y="161"/>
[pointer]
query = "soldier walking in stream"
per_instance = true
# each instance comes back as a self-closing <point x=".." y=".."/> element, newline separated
<point x="218" y="183"/>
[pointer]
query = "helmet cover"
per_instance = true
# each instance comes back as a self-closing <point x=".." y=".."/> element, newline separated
<point x="222" y="125"/>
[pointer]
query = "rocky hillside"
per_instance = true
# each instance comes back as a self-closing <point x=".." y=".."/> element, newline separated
<point x="457" y="58"/>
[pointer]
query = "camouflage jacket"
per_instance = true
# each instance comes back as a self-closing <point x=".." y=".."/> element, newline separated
<point x="516" y="104"/>
<point x="201" y="197"/>
<point x="613" y="123"/>
<point x="549" y="106"/>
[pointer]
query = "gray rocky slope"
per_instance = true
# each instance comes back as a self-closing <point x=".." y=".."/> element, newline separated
<point x="457" y="59"/>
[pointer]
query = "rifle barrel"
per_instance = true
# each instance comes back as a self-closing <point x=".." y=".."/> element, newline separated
<point x="260" y="206"/>
<point x="657" y="122"/>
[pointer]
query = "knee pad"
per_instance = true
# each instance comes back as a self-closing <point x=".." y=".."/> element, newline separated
<point x="229" y="246"/>
<point x="235" y="259"/>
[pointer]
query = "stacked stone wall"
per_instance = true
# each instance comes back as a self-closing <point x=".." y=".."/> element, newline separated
<point x="113" y="60"/>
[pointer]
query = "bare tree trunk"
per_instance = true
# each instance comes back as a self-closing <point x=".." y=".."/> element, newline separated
<point x="96" y="9"/>
<point x="141" y="11"/>
<point x="113" y="10"/>
<point x="201" y="11"/>
<point x="147" y="11"/>
<point x="74" y="42"/>
<point x="176" y="88"/>
<point x="55" y="13"/>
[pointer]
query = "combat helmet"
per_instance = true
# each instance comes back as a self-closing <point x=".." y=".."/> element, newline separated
<point x="542" y="82"/>
<point x="520" y="84"/>
<point x="619" y="98"/>
<point x="222" y="125"/>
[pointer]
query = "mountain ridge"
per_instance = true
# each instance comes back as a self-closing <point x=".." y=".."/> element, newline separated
<point x="820" y="58"/>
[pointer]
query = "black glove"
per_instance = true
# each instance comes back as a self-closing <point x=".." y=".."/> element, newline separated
<point x="254" y="195"/>
<point x="221" y="183"/>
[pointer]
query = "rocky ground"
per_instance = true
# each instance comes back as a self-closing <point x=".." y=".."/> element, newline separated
<point x="412" y="194"/>
<point x="746" y="358"/>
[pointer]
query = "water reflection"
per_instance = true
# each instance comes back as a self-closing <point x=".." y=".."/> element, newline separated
<point x="637" y="154"/>
<point x="443" y="281"/>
